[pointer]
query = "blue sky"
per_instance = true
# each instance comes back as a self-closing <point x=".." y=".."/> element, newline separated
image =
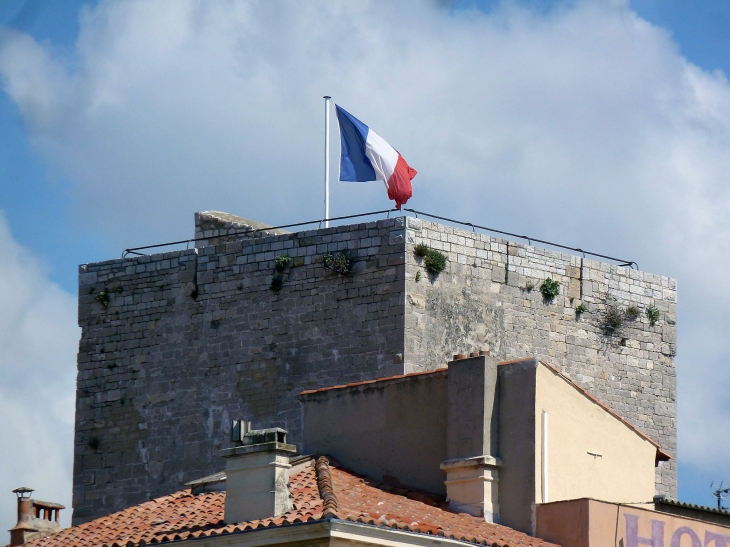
<point x="30" y="191"/>
<point x="65" y="211"/>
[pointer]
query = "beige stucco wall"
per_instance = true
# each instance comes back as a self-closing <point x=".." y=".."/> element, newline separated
<point x="577" y="427"/>
<point x="390" y="431"/>
<point x="578" y="523"/>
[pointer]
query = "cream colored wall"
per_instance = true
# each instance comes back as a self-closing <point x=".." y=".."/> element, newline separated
<point x="624" y="472"/>
<point x="388" y="430"/>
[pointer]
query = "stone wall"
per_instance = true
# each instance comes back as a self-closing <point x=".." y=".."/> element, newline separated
<point x="192" y="339"/>
<point x="488" y="298"/>
<point x="214" y="227"/>
<point x="189" y="340"/>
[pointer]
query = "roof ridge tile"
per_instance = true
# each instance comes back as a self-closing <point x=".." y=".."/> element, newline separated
<point x="376" y="380"/>
<point x="326" y="492"/>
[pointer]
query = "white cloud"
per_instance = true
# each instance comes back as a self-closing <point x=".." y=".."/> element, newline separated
<point x="38" y="342"/>
<point x="583" y="124"/>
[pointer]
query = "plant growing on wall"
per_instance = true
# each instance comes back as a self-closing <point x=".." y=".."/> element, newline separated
<point x="421" y="250"/>
<point x="434" y="261"/>
<point x="612" y="319"/>
<point x="653" y="314"/>
<point x="632" y="313"/>
<point x="530" y="286"/>
<point x="550" y="288"/>
<point x="103" y="298"/>
<point x="277" y="283"/>
<point x="580" y="309"/>
<point x="339" y="262"/>
<point x="418" y="276"/>
<point x="282" y="262"/>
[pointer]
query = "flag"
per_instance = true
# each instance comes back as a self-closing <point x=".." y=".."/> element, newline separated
<point x="366" y="157"/>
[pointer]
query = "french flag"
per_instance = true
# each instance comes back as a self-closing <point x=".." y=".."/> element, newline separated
<point x="366" y="157"/>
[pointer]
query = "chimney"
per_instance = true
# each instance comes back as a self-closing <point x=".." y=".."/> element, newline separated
<point x="257" y="476"/>
<point x="36" y="519"/>
<point x="472" y="436"/>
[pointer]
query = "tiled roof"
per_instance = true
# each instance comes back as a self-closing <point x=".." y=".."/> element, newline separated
<point x="182" y="515"/>
<point x="361" y="500"/>
<point x="347" y="497"/>
<point x="660" y="500"/>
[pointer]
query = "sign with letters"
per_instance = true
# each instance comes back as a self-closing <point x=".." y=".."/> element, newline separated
<point x="638" y="527"/>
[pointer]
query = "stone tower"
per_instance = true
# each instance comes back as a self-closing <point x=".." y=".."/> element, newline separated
<point x="175" y="345"/>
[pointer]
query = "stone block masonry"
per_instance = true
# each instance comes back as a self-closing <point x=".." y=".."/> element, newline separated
<point x="214" y="228"/>
<point x="190" y="340"/>
<point x="488" y="298"/>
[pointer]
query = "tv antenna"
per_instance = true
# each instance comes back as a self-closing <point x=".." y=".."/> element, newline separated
<point x="720" y="493"/>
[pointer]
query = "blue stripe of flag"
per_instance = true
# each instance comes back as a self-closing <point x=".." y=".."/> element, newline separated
<point x="354" y="164"/>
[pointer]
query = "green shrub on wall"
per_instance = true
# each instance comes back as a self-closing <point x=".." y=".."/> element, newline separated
<point x="632" y="313"/>
<point x="339" y="262"/>
<point x="613" y="319"/>
<point x="434" y="261"/>
<point x="103" y="298"/>
<point x="653" y="314"/>
<point x="421" y="250"/>
<point x="281" y="262"/>
<point x="277" y="283"/>
<point x="550" y="289"/>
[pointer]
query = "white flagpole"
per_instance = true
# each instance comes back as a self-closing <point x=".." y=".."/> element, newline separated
<point x="327" y="100"/>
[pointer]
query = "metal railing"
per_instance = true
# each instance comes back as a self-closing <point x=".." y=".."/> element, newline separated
<point x="629" y="263"/>
<point x="252" y="233"/>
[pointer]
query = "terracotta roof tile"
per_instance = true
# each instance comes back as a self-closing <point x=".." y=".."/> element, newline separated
<point x="347" y="496"/>
<point x="376" y="381"/>
<point x="180" y="516"/>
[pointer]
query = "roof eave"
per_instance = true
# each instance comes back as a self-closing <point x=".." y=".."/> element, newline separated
<point x="343" y="530"/>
